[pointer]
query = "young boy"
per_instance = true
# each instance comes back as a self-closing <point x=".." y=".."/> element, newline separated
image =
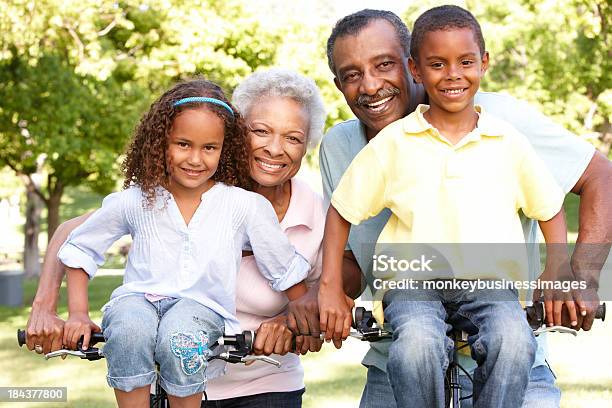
<point x="441" y="171"/>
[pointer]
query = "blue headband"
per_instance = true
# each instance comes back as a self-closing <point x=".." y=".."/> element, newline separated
<point x="203" y="99"/>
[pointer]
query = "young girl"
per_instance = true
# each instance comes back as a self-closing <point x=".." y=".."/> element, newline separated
<point x="189" y="225"/>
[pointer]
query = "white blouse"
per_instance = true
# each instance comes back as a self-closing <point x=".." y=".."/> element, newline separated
<point x="198" y="261"/>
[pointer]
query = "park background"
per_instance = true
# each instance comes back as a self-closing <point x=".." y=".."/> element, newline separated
<point x="76" y="75"/>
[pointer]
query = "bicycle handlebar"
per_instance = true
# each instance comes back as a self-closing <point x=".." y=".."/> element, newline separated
<point x="95" y="338"/>
<point x="364" y="323"/>
<point x="242" y="340"/>
<point x="242" y="343"/>
<point x="535" y="314"/>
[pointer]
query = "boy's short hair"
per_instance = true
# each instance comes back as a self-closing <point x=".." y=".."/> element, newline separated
<point x="354" y="23"/>
<point x="444" y="18"/>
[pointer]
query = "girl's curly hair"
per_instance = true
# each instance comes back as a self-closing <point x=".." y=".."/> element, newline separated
<point x="146" y="162"/>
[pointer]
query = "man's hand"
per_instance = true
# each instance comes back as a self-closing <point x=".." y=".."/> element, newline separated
<point x="273" y="336"/>
<point x="335" y="310"/>
<point x="44" y="328"/>
<point x="304" y="344"/>
<point x="303" y="313"/>
<point x="585" y="319"/>
<point x="594" y="231"/>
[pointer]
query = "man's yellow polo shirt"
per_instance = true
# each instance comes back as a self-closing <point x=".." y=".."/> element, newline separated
<point x="438" y="192"/>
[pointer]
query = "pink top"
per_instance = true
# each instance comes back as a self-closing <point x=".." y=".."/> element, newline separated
<point x="303" y="223"/>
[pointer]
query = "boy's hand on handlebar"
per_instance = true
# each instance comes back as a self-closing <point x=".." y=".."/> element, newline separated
<point x="273" y="336"/>
<point x="79" y="324"/>
<point x="554" y="309"/>
<point x="335" y="311"/>
<point x="44" y="328"/>
<point x="558" y="270"/>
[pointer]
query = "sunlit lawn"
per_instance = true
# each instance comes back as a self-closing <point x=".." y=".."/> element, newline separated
<point x="333" y="378"/>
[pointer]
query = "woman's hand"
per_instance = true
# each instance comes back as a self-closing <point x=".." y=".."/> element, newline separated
<point x="44" y="329"/>
<point x="79" y="324"/>
<point x="273" y="336"/>
<point x="335" y="310"/>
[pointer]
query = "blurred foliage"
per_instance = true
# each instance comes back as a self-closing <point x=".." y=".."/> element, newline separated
<point x="74" y="83"/>
<point x="75" y="75"/>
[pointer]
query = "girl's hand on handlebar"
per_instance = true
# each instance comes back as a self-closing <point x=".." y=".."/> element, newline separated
<point x="335" y="311"/>
<point x="79" y="324"/>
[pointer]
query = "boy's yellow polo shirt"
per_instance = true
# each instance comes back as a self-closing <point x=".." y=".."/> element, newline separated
<point x="470" y="192"/>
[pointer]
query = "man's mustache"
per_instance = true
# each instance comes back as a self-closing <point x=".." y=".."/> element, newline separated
<point x="381" y="94"/>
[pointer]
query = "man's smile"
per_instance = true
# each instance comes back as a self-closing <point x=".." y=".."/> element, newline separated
<point x="379" y="105"/>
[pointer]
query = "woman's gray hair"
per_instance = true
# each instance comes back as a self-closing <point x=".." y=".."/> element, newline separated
<point x="280" y="82"/>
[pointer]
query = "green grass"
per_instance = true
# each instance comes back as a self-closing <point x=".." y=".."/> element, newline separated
<point x="85" y="380"/>
<point x="329" y="384"/>
<point x="77" y="201"/>
<point x="571" y="204"/>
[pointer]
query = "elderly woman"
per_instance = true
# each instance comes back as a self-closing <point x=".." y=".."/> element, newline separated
<point x="284" y="114"/>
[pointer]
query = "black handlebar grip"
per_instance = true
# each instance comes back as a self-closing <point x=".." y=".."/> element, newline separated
<point x="535" y="314"/>
<point x="21" y="337"/>
<point x="249" y="339"/>
<point x="359" y="312"/>
<point x="95" y="338"/>
<point x="600" y="313"/>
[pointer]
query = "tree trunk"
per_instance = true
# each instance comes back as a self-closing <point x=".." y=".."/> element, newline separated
<point x="55" y="198"/>
<point x="31" y="262"/>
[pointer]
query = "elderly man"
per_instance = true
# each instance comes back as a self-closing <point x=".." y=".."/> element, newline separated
<point x="368" y="53"/>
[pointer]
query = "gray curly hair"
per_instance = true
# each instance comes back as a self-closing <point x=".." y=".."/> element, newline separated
<point x="286" y="83"/>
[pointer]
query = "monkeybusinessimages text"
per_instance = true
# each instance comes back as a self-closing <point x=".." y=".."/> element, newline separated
<point x="385" y="263"/>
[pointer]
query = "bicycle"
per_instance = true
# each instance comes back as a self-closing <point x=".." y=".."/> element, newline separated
<point x="367" y="329"/>
<point x="241" y="348"/>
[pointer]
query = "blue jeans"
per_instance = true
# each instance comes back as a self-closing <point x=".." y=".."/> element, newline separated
<point x="541" y="390"/>
<point x="501" y="341"/>
<point x="290" y="399"/>
<point x="175" y="333"/>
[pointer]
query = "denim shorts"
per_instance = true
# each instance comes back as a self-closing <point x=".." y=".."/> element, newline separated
<point x="175" y="333"/>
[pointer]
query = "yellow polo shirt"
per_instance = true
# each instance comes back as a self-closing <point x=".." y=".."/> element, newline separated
<point x="438" y="192"/>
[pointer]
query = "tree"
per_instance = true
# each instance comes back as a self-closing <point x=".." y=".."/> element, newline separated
<point x="74" y="83"/>
<point x="67" y="127"/>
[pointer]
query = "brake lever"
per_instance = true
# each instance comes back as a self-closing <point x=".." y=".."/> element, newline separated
<point x="265" y="359"/>
<point x="64" y="352"/>
<point x="558" y="329"/>
<point x="89" y="354"/>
